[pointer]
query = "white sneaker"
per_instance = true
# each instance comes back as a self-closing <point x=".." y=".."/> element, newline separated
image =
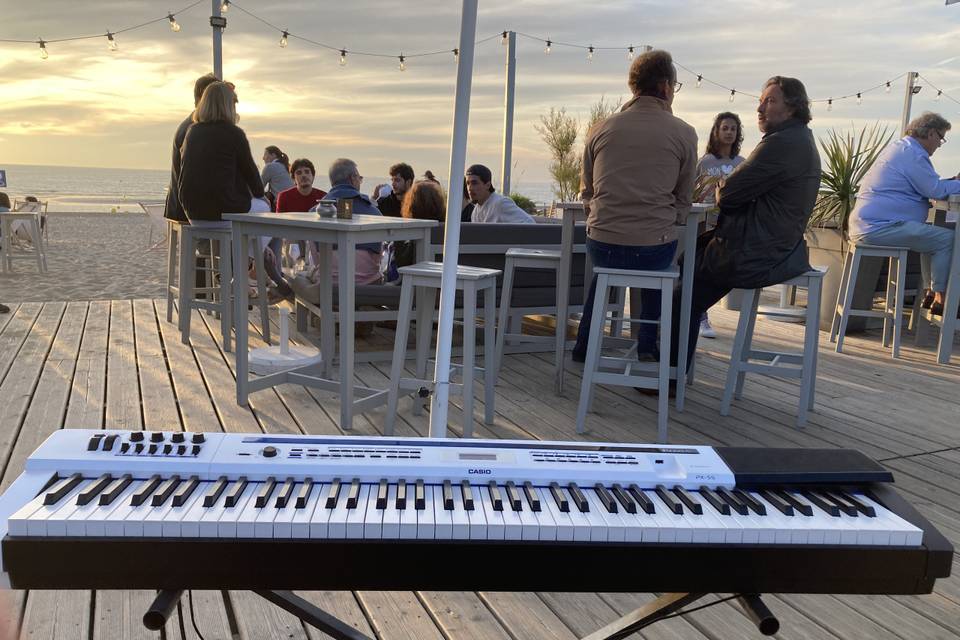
<point x="706" y="331"/>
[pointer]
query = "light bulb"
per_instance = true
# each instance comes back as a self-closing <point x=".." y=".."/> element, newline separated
<point x="546" y="49"/>
<point x="733" y="92"/>
<point x="403" y="64"/>
<point x="647" y="48"/>
<point x="859" y="99"/>
<point x="630" y="53"/>
<point x="283" y="38"/>
<point x="888" y="87"/>
<point x="343" y="57"/>
<point x="937" y="99"/>
<point x="43" y="50"/>
<point x="174" y="25"/>
<point x="111" y="42"/>
<point x="224" y="6"/>
<point x="456" y="55"/>
<point x="504" y="39"/>
<point x="699" y="81"/>
<point x="830" y="104"/>
<point x="590" y="52"/>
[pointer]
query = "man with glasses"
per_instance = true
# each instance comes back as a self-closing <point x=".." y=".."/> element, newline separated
<point x="637" y="177"/>
<point x="895" y="196"/>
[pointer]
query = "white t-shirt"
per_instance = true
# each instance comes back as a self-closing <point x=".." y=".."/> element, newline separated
<point x="500" y="208"/>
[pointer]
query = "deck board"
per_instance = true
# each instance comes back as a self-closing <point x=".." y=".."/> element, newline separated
<point x="119" y="364"/>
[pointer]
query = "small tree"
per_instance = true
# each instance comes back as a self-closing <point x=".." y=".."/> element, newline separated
<point x="559" y="131"/>
<point x="601" y="110"/>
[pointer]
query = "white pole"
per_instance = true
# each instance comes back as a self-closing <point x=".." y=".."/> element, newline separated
<point x="440" y="402"/>
<point x="217" y="22"/>
<point x="508" y="98"/>
<point x="908" y="101"/>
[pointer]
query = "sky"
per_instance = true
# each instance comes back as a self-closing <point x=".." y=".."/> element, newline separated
<point x="87" y="106"/>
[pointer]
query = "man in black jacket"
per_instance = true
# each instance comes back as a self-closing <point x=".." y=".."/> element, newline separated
<point x="173" y="209"/>
<point x="764" y="207"/>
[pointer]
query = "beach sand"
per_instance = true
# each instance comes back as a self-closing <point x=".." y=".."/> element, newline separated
<point x="91" y="256"/>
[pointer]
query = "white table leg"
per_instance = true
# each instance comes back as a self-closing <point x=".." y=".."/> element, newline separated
<point x="328" y="328"/>
<point x="240" y="295"/>
<point x="347" y="262"/>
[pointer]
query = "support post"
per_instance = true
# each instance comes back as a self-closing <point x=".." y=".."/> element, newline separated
<point x="217" y="23"/>
<point x="508" y="99"/>
<point x="440" y="402"/>
<point x="908" y="100"/>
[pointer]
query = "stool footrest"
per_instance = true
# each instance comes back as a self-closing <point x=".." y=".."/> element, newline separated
<point x="777" y="370"/>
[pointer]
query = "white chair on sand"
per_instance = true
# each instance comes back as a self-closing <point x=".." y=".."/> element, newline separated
<point x="157" y="224"/>
<point x="29" y="222"/>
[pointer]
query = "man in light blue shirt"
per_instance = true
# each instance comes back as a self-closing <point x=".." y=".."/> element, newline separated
<point x="895" y="196"/>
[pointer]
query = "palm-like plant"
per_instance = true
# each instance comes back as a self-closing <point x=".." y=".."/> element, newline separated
<point x="847" y="158"/>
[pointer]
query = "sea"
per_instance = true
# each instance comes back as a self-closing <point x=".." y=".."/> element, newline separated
<point x="96" y="189"/>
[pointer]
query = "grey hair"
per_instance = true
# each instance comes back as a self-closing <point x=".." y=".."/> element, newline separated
<point x="341" y="171"/>
<point x="922" y="125"/>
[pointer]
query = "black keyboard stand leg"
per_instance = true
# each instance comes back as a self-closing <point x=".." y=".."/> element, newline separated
<point x="646" y="615"/>
<point x="156" y="616"/>
<point x="312" y="615"/>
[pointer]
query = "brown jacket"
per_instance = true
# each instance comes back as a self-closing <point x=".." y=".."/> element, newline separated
<point x="639" y="166"/>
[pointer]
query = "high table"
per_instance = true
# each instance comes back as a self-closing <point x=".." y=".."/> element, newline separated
<point x="346" y="234"/>
<point x="948" y="322"/>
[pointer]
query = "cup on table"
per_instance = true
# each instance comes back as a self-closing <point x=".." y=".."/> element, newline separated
<point x="345" y="208"/>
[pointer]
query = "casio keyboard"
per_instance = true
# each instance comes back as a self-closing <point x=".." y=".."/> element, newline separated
<point x="173" y="510"/>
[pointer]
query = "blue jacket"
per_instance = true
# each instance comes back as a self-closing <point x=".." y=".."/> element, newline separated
<point x="362" y="205"/>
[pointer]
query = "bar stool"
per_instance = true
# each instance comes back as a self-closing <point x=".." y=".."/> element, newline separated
<point x="628" y="371"/>
<point x="470" y="280"/>
<point x="221" y="252"/>
<point x="37" y="248"/>
<point x="892" y="313"/>
<point x="775" y="363"/>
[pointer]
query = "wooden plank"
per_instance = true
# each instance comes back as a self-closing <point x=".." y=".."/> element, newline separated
<point x="583" y="613"/>
<point x="210" y="616"/>
<point x="86" y="407"/>
<point x="524" y="615"/>
<point x="257" y="619"/>
<point x="461" y="614"/>
<point x="15" y="333"/>
<point x="159" y="405"/>
<point x="341" y="605"/>
<point x="119" y="614"/>
<point x="5" y="318"/>
<point x="123" y="389"/>
<point x="398" y="615"/>
<point x="72" y="621"/>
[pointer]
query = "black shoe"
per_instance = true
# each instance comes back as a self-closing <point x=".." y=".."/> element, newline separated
<point x="4" y="308"/>
<point x="578" y="357"/>
<point x="936" y="309"/>
<point x="649" y="356"/>
<point x="927" y="299"/>
<point x="672" y="390"/>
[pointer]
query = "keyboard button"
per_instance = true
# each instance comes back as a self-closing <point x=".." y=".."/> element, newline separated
<point x="136" y="436"/>
<point x="61" y="488"/>
<point x="156" y="436"/>
<point x="152" y="449"/>
<point x="198" y="438"/>
<point x="177" y="437"/>
<point x="109" y="441"/>
<point x="124" y="447"/>
<point x="167" y="449"/>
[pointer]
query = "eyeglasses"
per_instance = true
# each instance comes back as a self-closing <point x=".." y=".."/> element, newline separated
<point x="677" y="86"/>
<point x="943" y="140"/>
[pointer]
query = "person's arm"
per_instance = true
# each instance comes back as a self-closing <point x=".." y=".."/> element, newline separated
<point x="923" y="177"/>
<point x="247" y="167"/>
<point x="683" y="191"/>
<point x="762" y="171"/>
<point x="586" y="174"/>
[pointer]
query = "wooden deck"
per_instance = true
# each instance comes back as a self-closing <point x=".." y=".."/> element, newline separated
<point x="118" y="364"/>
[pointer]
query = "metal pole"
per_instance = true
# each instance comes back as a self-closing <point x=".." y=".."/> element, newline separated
<point x="217" y="23"/>
<point x="440" y="402"/>
<point x="908" y="100"/>
<point x="508" y="98"/>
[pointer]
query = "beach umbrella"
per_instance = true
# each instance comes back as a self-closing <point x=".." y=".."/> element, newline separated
<point x="440" y="401"/>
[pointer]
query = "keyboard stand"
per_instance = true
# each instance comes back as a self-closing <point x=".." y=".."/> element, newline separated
<point x="671" y="603"/>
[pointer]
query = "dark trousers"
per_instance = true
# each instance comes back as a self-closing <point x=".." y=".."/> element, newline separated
<point x="617" y="256"/>
<point x="272" y="267"/>
<point x="707" y="291"/>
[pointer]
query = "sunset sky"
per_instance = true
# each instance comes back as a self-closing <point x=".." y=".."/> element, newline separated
<point x="87" y="106"/>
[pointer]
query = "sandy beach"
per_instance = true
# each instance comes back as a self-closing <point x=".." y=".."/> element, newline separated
<point x="91" y="256"/>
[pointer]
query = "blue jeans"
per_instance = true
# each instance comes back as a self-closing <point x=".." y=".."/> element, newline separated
<point x="935" y="245"/>
<point x="617" y="256"/>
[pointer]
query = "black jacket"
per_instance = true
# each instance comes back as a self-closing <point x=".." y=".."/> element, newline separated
<point x="764" y="208"/>
<point x="173" y="209"/>
<point x="217" y="171"/>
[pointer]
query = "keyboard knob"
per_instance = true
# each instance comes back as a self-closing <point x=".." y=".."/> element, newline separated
<point x="269" y="452"/>
<point x="197" y="438"/>
<point x="156" y="436"/>
<point x="136" y="436"/>
<point x="177" y="437"/>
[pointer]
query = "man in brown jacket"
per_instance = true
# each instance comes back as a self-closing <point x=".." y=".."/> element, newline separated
<point x="639" y="166"/>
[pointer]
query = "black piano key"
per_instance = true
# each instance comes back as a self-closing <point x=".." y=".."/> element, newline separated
<point x="62" y="488"/>
<point x="419" y="496"/>
<point x="114" y="490"/>
<point x="778" y="503"/>
<point x="562" y="503"/>
<point x="513" y="496"/>
<point x="447" y="495"/>
<point x="233" y="496"/>
<point x="862" y="507"/>
<point x="727" y="496"/>
<point x="495" y="496"/>
<point x="304" y="495"/>
<point x="605" y="498"/>
<point x="794" y="501"/>
<point x="672" y="503"/>
<point x="333" y="494"/>
<point x="265" y="491"/>
<point x="144" y="491"/>
<point x="286" y="492"/>
<point x="533" y="500"/>
<point x="215" y="491"/>
<point x="165" y="491"/>
<point x="180" y="497"/>
<point x="353" y="496"/>
<point x="823" y="504"/>
<point x="93" y="489"/>
<point x="401" y="495"/>
<point x="752" y="503"/>
<point x="578" y="498"/>
<point x="846" y="507"/>
<point x="467" y="495"/>
<point x="688" y="500"/>
<point x="628" y="504"/>
<point x="645" y="503"/>
<point x="382" y="493"/>
<point x="714" y="500"/>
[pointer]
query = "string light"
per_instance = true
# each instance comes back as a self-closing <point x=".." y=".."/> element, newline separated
<point x="830" y="104"/>
<point x="630" y="52"/>
<point x="456" y="55"/>
<point x="888" y="86"/>
<point x="343" y="57"/>
<point x="590" y="52"/>
<point x="546" y="49"/>
<point x="224" y="6"/>
<point x="733" y="92"/>
<point x="859" y="99"/>
<point x="111" y="42"/>
<point x="939" y="93"/>
<point x="283" y="39"/>
<point x="403" y="65"/>
<point x="43" y="50"/>
<point x="699" y="81"/>
<point x="174" y="25"/>
<point x="504" y="39"/>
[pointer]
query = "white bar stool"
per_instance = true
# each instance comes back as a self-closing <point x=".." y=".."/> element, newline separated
<point x="628" y="371"/>
<point x="470" y="280"/>
<point x="892" y="313"/>
<point x="784" y="365"/>
<point x="37" y="249"/>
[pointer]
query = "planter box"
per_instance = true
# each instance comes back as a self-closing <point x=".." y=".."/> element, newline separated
<point x="827" y="250"/>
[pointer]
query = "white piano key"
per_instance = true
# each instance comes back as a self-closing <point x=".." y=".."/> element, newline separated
<point x="36" y="524"/>
<point x="547" y="527"/>
<point x="666" y="530"/>
<point x="226" y="517"/>
<point x="283" y="522"/>
<point x="337" y="521"/>
<point x="189" y="524"/>
<point x="528" y="521"/>
<point x="563" y="525"/>
<point x="390" y="517"/>
<point x="787" y="529"/>
<point x="710" y="527"/>
<point x="373" y="520"/>
<point x="58" y="522"/>
<point x="443" y="519"/>
<point x="355" y="519"/>
<point x="133" y="519"/>
<point x="902" y="533"/>
<point x="682" y="528"/>
<point x="263" y="525"/>
<point x="17" y="523"/>
<point x="460" y="516"/>
<point x="512" y="525"/>
<point x="426" y="524"/>
<point x="300" y="524"/>
<point x="495" y="527"/>
<point x="613" y="529"/>
<point x="153" y="520"/>
<point x="408" y="517"/>
<point x="321" y="515"/>
<point x="477" y="518"/>
<point x="749" y="529"/>
<point x="95" y="523"/>
<point x="247" y="518"/>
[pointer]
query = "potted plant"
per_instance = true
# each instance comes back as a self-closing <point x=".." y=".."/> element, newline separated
<point x="846" y="157"/>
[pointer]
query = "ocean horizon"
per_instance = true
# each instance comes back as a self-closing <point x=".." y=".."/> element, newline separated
<point x="119" y="190"/>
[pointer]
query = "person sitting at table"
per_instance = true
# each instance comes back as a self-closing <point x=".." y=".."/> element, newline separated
<point x="275" y="174"/>
<point x="895" y="196"/>
<point x="424" y="201"/>
<point x="389" y="197"/>
<point x="490" y="206"/>
<point x="4" y="207"/>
